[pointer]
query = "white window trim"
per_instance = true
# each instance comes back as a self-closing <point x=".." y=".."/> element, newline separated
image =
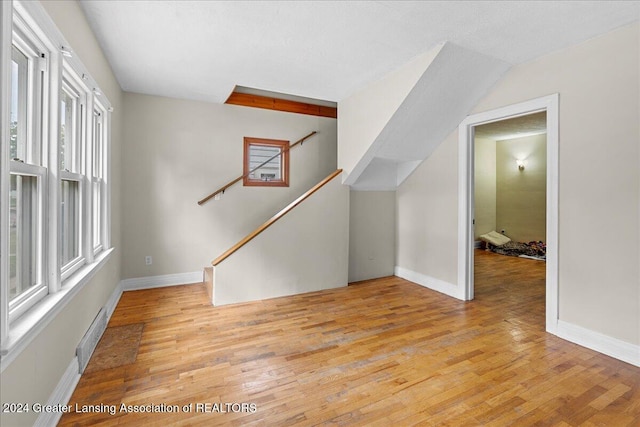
<point x="16" y="333"/>
<point x="72" y="266"/>
<point x="5" y="85"/>
<point x="98" y="177"/>
<point x="28" y="326"/>
<point x="73" y="164"/>
<point x="34" y="162"/>
<point x="24" y="302"/>
<point x="34" y="47"/>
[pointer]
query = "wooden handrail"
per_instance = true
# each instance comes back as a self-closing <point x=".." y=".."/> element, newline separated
<point x="230" y="183"/>
<point x="274" y="218"/>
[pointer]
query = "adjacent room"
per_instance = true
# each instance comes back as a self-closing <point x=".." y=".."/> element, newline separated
<point x="510" y="180"/>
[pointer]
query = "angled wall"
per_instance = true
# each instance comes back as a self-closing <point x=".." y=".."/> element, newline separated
<point x="453" y="80"/>
<point x="364" y="114"/>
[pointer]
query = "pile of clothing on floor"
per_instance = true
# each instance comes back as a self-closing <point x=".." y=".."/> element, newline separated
<point x="532" y="249"/>
<point x="501" y="244"/>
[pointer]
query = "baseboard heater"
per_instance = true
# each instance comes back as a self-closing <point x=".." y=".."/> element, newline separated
<point x="90" y="339"/>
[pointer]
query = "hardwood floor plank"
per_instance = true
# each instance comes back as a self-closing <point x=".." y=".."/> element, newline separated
<point x="379" y="352"/>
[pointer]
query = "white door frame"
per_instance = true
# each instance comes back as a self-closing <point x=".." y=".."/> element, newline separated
<point x="466" y="196"/>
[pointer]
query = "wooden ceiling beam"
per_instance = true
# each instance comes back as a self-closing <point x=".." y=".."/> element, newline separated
<point x="270" y="103"/>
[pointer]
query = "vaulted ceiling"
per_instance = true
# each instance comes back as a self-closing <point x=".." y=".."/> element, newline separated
<point x="322" y="49"/>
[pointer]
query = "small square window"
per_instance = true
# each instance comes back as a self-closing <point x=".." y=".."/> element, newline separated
<point x="266" y="162"/>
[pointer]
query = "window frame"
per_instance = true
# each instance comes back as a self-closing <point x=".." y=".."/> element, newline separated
<point x="67" y="269"/>
<point x="31" y="126"/>
<point x="27" y="26"/>
<point x="21" y="303"/>
<point x="73" y="159"/>
<point x="98" y="166"/>
<point x="72" y="85"/>
<point x="283" y="145"/>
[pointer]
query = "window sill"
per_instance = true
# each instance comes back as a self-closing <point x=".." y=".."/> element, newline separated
<point x="24" y="329"/>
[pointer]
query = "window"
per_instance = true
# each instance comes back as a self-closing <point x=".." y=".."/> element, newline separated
<point x="70" y="254"/>
<point x="19" y="83"/>
<point x="72" y="107"/>
<point x="266" y="162"/>
<point x="70" y="131"/>
<point x="55" y="181"/>
<point x="27" y="173"/>
<point x="97" y="177"/>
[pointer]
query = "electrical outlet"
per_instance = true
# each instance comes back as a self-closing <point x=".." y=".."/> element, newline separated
<point x="148" y="260"/>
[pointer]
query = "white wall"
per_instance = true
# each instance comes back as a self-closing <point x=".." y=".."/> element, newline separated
<point x="306" y="250"/>
<point x="372" y="237"/>
<point x="177" y="152"/>
<point x="485" y="186"/>
<point x="599" y="220"/>
<point x="34" y="374"/>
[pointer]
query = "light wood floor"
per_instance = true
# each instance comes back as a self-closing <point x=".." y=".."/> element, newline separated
<point x="383" y="352"/>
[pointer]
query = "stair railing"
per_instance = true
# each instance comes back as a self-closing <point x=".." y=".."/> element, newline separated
<point x="276" y="217"/>
<point x="222" y="189"/>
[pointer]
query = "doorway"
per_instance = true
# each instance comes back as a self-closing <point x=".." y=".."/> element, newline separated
<point x="549" y="106"/>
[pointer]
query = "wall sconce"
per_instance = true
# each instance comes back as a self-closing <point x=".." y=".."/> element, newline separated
<point x="520" y="164"/>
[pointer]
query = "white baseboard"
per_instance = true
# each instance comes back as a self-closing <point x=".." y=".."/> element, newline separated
<point x="67" y="384"/>
<point x="151" y="282"/>
<point x="113" y="300"/>
<point x="430" y="282"/>
<point x="28" y="326"/>
<point x="61" y="395"/>
<point x="601" y="343"/>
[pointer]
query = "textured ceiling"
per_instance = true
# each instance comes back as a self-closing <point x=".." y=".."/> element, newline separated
<point x="322" y="49"/>
<point x="531" y="124"/>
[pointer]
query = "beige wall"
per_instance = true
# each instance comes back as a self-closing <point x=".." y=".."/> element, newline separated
<point x="521" y="203"/>
<point x="372" y="237"/>
<point x="505" y="197"/>
<point x="598" y="82"/>
<point x="33" y="376"/>
<point x="178" y="151"/>
<point x="306" y="250"/>
<point x="485" y="186"/>
<point x="427" y="217"/>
